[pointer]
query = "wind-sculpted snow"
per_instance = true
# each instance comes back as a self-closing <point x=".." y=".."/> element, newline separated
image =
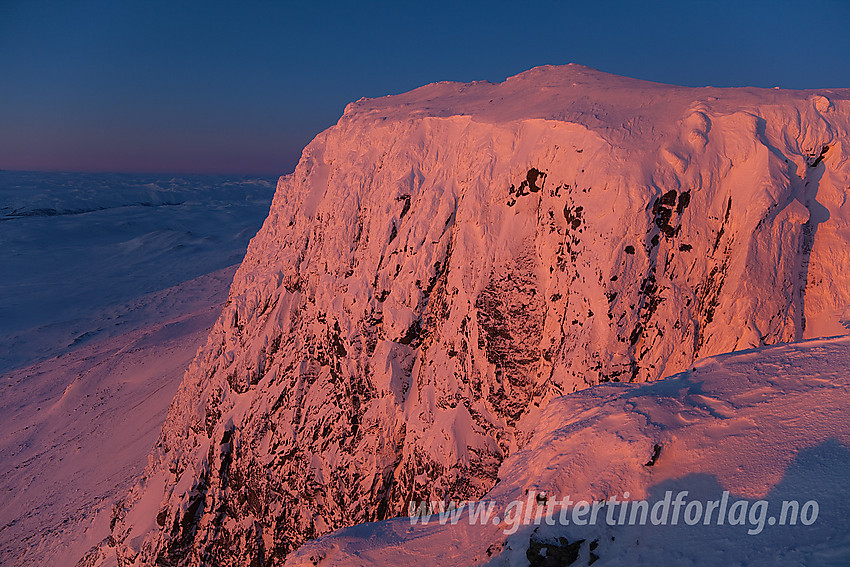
<point x="443" y="263"/>
<point x="767" y="425"/>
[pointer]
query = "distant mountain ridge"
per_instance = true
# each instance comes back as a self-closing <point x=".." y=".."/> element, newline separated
<point x="443" y="263"/>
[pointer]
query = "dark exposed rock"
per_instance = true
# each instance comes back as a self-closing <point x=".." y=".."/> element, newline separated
<point x="684" y="201"/>
<point x="531" y="178"/>
<point x="656" y="452"/>
<point x="406" y="206"/>
<point x="668" y="199"/>
<point x="814" y="158"/>
<point x="510" y="316"/>
<point x="573" y="216"/>
<point x="529" y="185"/>
<point x="663" y="213"/>
<point x="412" y="334"/>
<point x="723" y="225"/>
<point x="636" y="335"/>
<point x="556" y="553"/>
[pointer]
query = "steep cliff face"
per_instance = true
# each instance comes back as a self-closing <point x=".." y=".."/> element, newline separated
<point x="444" y="262"/>
<point x="769" y="425"/>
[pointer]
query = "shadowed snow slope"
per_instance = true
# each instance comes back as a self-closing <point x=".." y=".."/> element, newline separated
<point x="768" y="424"/>
<point x="443" y="263"/>
<point x="76" y="428"/>
<point x="109" y="283"/>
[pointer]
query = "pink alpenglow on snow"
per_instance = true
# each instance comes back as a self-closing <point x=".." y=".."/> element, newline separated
<point x="454" y="298"/>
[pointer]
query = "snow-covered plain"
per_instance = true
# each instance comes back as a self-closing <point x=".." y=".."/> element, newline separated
<point x="72" y="244"/>
<point x="109" y="285"/>
<point x="447" y="269"/>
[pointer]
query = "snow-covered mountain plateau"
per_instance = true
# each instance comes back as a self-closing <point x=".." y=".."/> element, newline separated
<point x="448" y="270"/>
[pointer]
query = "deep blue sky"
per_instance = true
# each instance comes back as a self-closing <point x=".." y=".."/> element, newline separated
<point x="241" y="87"/>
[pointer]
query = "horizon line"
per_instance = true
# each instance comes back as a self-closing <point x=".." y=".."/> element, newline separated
<point x="137" y="172"/>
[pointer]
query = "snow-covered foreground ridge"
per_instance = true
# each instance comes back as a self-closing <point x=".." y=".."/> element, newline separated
<point x="443" y="263"/>
<point x="769" y="425"/>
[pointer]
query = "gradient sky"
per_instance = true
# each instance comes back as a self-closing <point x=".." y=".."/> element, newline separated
<point x="241" y="87"/>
